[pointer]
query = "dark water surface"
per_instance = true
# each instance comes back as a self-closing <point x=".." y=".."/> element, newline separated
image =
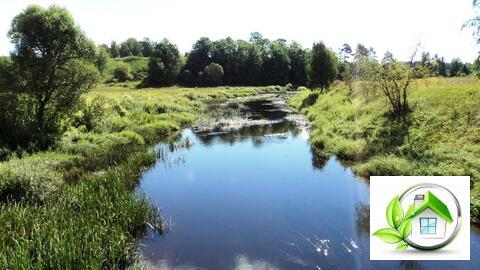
<point x="258" y="199"/>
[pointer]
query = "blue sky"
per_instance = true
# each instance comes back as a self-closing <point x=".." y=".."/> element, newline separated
<point x="391" y="25"/>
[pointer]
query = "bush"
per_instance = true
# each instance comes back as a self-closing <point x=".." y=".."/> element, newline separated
<point x="309" y="100"/>
<point x="33" y="179"/>
<point x="17" y="124"/>
<point x="122" y="72"/>
<point x="212" y="75"/>
<point x="475" y="209"/>
<point x="132" y="136"/>
<point x="153" y="131"/>
<point x="384" y="165"/>
<point x="91" y="113"/>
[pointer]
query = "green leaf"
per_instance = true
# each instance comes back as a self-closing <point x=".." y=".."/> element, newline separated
<point x="388" y="235"/>
<point x="410" y="211"/>
<point x="406" y="228"/>
<point x="394" y="213"/>
<point x="402" y="246"/>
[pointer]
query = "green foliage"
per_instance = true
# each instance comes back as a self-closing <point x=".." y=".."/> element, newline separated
<point x="53" y="60"/>
<point x="122" y="72"/>
<point x="391" y="78"/>
<point x="254" y="62"/>
<point x="101" y="58"/>
<point x="92" y="224"/>
<point x="322" y="66"/>
<point x="130" y="47"/>
<point x="154" y="131"/>
<point x="7" y="74"/>
<point x="455" y="68"/>
<point x="212" y="75"/>
<point x="114" y="50"/>
<point x="276" y="64"/>
<point x="163" y="66"/>
<point x="298" y="63"/>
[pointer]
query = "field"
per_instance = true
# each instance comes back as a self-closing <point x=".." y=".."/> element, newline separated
<point x="441" y="136"/>
<point x="73" y="206"/>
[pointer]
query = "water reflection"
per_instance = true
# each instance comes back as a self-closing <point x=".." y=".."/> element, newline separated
<point x="257" y="198"/>
<point x="362" y="221"/>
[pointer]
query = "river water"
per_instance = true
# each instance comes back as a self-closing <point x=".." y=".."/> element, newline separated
<point x="257" y="198"/>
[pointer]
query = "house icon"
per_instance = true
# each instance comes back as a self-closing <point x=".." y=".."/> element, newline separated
<point x="430" y="217"/>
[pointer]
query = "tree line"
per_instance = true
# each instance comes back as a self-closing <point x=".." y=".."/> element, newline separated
<point x="258" y="61"/>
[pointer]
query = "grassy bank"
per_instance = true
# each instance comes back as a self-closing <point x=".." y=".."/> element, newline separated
<point x="441" y="136"/>
<point x="72" y="207"/>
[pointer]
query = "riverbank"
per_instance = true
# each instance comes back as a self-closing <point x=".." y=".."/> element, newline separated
<point x="440" y="136"/>
<point x="73" y="206"/>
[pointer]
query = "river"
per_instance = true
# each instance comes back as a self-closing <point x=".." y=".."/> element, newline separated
<point x="257" y="198"/>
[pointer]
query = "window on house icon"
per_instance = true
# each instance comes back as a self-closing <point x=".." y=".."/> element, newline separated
<point x="428" y="225"/>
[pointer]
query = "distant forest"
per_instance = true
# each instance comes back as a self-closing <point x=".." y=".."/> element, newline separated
<point x="258" y="61"/>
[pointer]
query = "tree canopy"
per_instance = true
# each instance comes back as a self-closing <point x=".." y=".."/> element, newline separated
<point x="53" y="60"/>
<point x="164" y="65"/>
<point x="322" y="66"/>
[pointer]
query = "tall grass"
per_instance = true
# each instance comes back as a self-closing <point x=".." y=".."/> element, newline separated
<point x="73" y="207"/>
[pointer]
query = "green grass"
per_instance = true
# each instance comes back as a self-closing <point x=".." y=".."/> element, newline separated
<point x="441" y="136"/>
<point x="73" y="207"/>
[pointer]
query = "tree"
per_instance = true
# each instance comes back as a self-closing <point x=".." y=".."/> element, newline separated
<point x="455" y="67"/>
<point x="124" y="50"/>
<point x="298" y="62"/>
<point x="392" y="78"/>
<point x="322" y="66"/>
<point x="441" y="66"/>
<point x="7" y="74"/>
<point x="466" y="69"/>
<point x="276" y="64"/>
<point x="212" y="74"/>
<point x="146" y="47"/>
<point x="251" y="62"/>
<point x="224" y="52"/>
<point x="199" y="56"/>
<point x="163" y="66"/>
<point x="133" y="46"/>
<point x="101" y="58"/>
<point x="54" y="63"/>
<point x="114" y="50"/>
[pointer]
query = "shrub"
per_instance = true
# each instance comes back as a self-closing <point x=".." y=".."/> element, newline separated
<point x="309" y="100"/>
<point x="122" y="72"/>
<point x="153" y="131"/>
<point x="91" y="113"/>
<point x="212" y="75"/>
<point x="33" y="179"/>
<point x="132" y="136"/>
<point x="384" y="165"/>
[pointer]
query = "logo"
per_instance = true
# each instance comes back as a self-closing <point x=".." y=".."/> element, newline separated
<point x="425" y="215"/>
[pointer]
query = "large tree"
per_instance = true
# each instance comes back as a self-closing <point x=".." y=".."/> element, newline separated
<point x="276" y="64"/>
<point x="53" y="60"/>
<point x="322" y="66"/>
<point x="163" y="66"/>
<point x="298" y="59"/>
<point x="114" y="50"/>
<point x="199" y="57"/>
<point x="455" y="67"/>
